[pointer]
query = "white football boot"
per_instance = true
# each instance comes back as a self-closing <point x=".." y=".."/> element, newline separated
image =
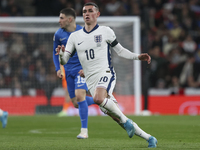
<point x="83" y="134"/>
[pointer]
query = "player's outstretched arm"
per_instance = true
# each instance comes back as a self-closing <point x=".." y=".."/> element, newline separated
<point x="63" y="55"/>
<point x="123" y="52"/>
<point x="145" y="57"/>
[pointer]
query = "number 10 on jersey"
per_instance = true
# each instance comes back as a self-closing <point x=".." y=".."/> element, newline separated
<point x="89" y="54"/>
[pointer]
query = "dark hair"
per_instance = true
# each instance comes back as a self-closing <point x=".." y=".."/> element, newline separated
<point x="93" y="4"/>
<point x="69" y="12"/>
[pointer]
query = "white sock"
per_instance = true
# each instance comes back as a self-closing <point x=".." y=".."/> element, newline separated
<point x="140" y="132"/>
<point x="1" y="112"/>
<point x="112" y="108"/>
<point x="84" y="130"/>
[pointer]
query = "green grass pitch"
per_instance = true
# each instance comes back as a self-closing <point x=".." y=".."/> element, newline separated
<point x="49" y="132"/>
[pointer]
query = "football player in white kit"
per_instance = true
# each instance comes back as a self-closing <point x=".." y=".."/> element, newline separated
<point x="92" y="44"/>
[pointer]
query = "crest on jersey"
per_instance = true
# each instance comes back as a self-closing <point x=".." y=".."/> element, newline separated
<point x="98" y="40"/>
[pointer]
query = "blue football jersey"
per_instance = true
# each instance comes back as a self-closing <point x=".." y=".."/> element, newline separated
<point x="60" y="38"/>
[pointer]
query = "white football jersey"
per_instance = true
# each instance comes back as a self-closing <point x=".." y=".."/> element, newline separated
<point x="93" y="49"/>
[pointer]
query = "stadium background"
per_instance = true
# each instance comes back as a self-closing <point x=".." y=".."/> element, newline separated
<point x="170" y="32"/>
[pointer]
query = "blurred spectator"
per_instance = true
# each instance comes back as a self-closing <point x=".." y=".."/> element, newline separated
<point x="31" y="81"/>
<point x="7" y="73"/>
<point x="47" y="81"/>
<point x="41" y="75"/>
<point x="58" y="5"/>
<point x="167" y="15"/>
<point x="174" y="85"/>
<point x="3" y="5"/>
<point x="158" y="67"/>
<point x="112" y="7"/>
<point x="195" y="6"/>
<point x="157" y="41"/>
<point x="50" y="84"/>
<point x="2" y="82"/>
<point x="78" y="7"/>
<point x="135" y="11"/>
<point x="181" y="11"/>
<point x="16" y="86"/>
<point x="169" y="45"/>
<point x="13" y="59"/>
<point x="197" y="55"/>
<point x="176" y="56"/>
<point x="3" y="47"/>
<point x="188" y="24"/>
<point x="187" y="72"/>
<point x="175" y="30"/>
<point x="17" y="46"/>
<point x="189" y="45"/>
<point x="13" y="9"/>
<point x="31" y="43"/>
<point x="43" y="7"/>
<point x="40" y="52"/>
<point x="157" y="5"/>
<point x="192" y="82"/>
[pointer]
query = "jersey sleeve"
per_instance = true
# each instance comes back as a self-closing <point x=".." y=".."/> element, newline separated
<point x="70" y="45"/>
<point x="123" y="52"/>
<point x="56" y="42"/>
<point x="111" y="37"/>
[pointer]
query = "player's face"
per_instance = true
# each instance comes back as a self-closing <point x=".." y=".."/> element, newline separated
<point x="63" y="21"/>
<point x="90" y="14"/>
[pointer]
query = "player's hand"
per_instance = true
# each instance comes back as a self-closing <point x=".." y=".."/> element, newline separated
<point x="145" y="57"/>
<point x="81" y="73"/>
<point x="59" y="74"/>
<point x="60" y="50"/>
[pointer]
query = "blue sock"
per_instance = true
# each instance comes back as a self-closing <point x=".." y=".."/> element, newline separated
<point x="83" y="113"/>
<point x="89" y="100"/>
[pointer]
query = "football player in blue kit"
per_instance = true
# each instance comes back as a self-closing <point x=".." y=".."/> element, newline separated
<point x="75" y="83"/>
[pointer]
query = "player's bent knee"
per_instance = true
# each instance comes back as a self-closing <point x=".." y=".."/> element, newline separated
<point x="75" y="105"/>
<point x="80" y="98"/>
<point x="80" y="95"/>
<point x="98" y="101"/>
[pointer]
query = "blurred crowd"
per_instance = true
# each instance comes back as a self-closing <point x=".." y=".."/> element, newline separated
<point x="26" y="63"/>
<point x="170" y="32"/>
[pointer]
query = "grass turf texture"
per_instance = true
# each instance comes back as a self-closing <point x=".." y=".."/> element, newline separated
<point x="43" y="132"/>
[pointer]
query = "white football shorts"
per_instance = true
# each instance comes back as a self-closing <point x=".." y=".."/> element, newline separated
<point x="106" y="80"/>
